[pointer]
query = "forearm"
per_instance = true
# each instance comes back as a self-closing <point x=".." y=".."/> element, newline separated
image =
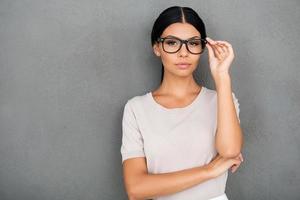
<point x="229" y="137"/>
<point x="153" y="185"/>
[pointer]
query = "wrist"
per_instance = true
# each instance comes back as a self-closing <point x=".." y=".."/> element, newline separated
<point x="222" y="80"/>
<point x="208" y="171"/>
<point x="221" y="75"/>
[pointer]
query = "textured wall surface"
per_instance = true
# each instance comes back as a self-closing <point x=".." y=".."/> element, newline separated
<point x="68" y="67"/>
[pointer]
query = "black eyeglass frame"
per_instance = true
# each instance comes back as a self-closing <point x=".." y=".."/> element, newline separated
<point x="182" y="42"/>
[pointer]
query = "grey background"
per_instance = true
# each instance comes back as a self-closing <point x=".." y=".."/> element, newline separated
<point x="68" y="67"/>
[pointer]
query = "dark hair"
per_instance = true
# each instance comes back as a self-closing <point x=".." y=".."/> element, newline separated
<point x="176" y="14"/>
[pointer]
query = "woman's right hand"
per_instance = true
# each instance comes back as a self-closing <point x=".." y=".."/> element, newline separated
<point x="219" y="165"/>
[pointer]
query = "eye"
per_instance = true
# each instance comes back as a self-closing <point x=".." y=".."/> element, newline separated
<point x="171" y="42"/>
<point x="194" y="43"/>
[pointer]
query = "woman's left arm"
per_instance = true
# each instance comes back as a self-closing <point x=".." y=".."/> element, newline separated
<point x="229" y="137"/>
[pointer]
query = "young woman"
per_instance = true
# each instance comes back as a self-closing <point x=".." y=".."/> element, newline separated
<point x="180" y="140"/>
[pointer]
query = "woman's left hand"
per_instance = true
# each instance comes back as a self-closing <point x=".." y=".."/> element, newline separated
<point x="220" y="55"/>
<point x="235" y="167"/>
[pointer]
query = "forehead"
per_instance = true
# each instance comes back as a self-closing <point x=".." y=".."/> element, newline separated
<point x="181" y="30"/>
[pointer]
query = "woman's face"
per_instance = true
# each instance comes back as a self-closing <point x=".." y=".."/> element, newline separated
<point x="170" y="61"/>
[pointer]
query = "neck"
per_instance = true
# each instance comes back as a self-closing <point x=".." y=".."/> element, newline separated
<point x="178" y="86"/>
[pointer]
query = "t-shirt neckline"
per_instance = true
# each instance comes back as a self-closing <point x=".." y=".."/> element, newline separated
<point x="191" y="105"/>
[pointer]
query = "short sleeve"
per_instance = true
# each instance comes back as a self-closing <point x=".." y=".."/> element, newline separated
<point x="237" y="106"/>
<point x="132" y="140"/>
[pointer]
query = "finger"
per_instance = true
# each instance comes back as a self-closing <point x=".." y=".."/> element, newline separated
<point x="227" y="44"/>
<point x="236" y="161"/>
<point x="235" y="167"/>
<point x="224" y="48"/>
<point x="211" y="53"/>
<point x="210" y="40"/>
<point x="242" y="158"/>
<point x="233" y="162"/>
<point x="217" y="53"/>
<point x="224" y="43"/>
<point x="221" y="49"/>
<point x="218" y="48"/>
<point x="232" y="168"/>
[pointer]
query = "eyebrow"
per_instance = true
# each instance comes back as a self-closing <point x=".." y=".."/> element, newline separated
<point x="180" y="38"/>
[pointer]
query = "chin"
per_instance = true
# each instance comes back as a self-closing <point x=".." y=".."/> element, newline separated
<point x="182" y="73"/>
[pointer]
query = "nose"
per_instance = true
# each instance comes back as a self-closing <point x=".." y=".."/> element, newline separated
<point x="183" y="50"/>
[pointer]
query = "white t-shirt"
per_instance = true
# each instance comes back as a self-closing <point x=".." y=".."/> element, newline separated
<point x="174" y="139"/>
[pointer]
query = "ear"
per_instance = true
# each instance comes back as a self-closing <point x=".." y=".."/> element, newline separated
<point x="156" y="49"/>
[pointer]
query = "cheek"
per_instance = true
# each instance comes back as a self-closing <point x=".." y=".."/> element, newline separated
<point x="168" y="58"/>
<point x="195" y="58"/>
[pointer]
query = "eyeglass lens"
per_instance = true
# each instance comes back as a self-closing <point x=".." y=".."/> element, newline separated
<point x="172" y="45"/>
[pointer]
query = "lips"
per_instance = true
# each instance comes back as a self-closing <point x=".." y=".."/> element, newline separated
<point x="183" y="65"/>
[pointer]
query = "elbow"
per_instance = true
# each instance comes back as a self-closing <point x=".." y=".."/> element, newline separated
<point x="131" y="193"/>
<point x="134" y="194"/>
<point x="131" y="197"/>
<point x="230" y="154"/>
<point x="135" y="188"/>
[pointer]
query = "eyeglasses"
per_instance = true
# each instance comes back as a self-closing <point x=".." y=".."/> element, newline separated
<point x="174" y="44"/>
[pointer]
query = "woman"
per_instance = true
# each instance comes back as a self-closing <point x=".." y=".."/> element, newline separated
<point x="179" y="141"/>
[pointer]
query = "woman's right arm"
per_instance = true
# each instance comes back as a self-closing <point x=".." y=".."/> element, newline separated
<point x="142" y="185"/>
